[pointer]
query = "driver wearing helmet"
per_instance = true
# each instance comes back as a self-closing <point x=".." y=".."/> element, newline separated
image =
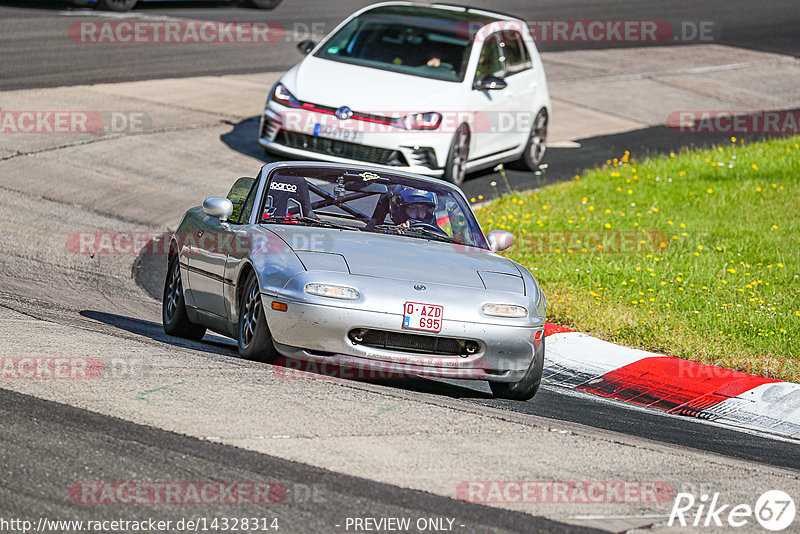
<point x="409" y="205"/>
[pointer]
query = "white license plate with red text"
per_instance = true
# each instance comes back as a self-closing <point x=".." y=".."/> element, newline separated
<point x="419" y="316"/>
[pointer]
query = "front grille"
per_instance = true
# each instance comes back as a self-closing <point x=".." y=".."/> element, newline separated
<point x="342" y="149"/>
<point x="444" y="346"/>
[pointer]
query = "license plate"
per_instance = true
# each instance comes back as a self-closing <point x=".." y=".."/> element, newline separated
<point x="341" y="134"/>
<point x="419" y="316"/>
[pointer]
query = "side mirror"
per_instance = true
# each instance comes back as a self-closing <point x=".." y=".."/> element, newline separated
<point x="305" y="47"/>
<point x="500" y="240"/>
<point x="491" y="83"/>
<point x="219" y="207"/>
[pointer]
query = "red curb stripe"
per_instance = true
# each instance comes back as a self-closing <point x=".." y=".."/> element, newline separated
<point x="673" y="384"/>
<point x="550" y="329"/>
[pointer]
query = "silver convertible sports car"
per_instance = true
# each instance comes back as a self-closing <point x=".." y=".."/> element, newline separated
<point x="360" y="266"/>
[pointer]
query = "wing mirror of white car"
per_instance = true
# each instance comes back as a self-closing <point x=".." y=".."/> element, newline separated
<point x="500" y="240"/>
<point x="219" y="207"/>
<point x="305" y="47"/>
<point x="491" y="83"/>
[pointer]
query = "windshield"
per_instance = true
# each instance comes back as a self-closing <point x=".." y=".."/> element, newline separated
<point x="370" y="202"/>
<point x="428" y="47"/>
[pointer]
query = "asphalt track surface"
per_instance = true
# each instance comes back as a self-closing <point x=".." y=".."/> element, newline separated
<point x="47" y="446"/>
<point x="34" y="432"/>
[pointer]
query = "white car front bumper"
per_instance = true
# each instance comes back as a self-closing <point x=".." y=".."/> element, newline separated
<point x="420" y="152"/>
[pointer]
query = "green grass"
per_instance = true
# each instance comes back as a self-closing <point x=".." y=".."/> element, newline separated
<point x="695" y="255"/>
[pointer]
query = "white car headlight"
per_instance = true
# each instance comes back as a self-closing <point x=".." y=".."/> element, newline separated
<point x="504" y="310"/>
<point x="332" y="291"/>
<point x="282" y="95"/>
<point x="418" y="121"/>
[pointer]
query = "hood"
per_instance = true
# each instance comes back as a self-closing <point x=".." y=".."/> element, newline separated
<point x="400" y="258"/>
<point x="366" y="89"/>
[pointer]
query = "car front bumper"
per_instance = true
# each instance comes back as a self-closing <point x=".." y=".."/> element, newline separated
<point x="319" y="333"/>
<point x="420" y="152"/>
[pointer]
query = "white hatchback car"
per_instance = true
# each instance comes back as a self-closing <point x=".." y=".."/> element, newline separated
<point x="437" y="90"/>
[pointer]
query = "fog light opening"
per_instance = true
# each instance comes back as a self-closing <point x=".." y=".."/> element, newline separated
<point x="357" y="336"/>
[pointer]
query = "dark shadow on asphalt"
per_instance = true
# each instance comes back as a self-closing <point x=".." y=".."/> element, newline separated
<point x="155" y="331"/>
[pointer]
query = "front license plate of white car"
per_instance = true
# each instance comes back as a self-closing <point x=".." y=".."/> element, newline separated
<point x="419" y="316"/>
<point x="341" y="134"/>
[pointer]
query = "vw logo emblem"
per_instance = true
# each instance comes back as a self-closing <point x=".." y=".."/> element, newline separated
<point x="343" y="113"/>
<point x="419" y="287"/>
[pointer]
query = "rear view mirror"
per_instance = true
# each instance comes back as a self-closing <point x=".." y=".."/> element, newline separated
<point x="500" y="240"/>
<point x="305" y="47"/>
<point x="491" y="83"/>
<point x="365" y="187"/>
<point x="219" y="207"/>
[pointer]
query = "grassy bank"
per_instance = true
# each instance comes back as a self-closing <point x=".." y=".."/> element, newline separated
<point x="695" y="254"/>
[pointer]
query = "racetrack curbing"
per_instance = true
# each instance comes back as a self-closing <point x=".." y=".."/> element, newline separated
<point x="673" y="385"/>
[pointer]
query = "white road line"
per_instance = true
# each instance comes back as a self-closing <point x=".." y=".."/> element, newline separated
<point x="118" y="16"/>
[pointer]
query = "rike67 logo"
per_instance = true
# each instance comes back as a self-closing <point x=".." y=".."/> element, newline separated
<point x="774" y="510"/>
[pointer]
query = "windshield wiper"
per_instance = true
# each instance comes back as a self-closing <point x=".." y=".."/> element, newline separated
<point x="306" y="221"/>
<point x="410" y="231"/>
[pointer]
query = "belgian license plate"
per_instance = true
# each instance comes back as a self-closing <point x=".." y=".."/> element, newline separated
<point x="419" y="316"/>
<point x="341" y="134"/>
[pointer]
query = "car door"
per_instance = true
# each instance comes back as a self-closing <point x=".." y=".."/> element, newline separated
<point x="206" y="261"/>
<point x="491" y="107"/>
<point x="214" y="242"/>
<point x="522" y="86"/>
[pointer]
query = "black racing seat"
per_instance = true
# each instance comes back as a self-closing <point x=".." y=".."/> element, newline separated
<point x="288" y="195"/>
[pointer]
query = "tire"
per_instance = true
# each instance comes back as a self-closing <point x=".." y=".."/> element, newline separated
<point x="254" y="339"/>
<point x="173" y="308"/>
<point x="264" y="4"/>
<point x="456" y="167"/>
<point x="528" y="385"/>
<point x="116" y="5"/>
<point x="535" y="148"/>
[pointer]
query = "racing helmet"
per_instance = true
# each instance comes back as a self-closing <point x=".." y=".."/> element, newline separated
<point x="405" y="196"/>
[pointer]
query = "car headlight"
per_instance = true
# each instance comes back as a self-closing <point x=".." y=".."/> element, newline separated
<point x="504" y="310"/>
<point x="418" y="121"/>
<point x="332" y="291"/>
<point x="282" y="95"/>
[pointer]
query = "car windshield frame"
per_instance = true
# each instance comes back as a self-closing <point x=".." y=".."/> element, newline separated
<point x="448" y="35"/>
<point x="337" y="192"/>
